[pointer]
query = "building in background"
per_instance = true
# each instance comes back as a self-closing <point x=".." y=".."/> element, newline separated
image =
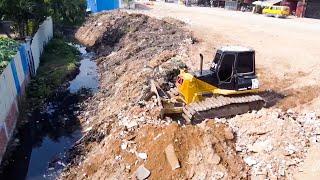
<point x="312" y="9"/>
<point x="300" y="8"/>
<point x="95" y="6"/>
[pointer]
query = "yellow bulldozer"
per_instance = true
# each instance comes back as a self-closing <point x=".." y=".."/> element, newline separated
<point x="228" y="88"/>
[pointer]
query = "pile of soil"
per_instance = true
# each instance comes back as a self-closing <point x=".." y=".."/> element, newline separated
<point x="123" y="130"/>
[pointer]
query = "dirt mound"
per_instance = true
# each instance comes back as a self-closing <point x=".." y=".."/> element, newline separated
<point x="133" y="48"/>
<point x="123" y="130"/>
<point x="204" y="151"/>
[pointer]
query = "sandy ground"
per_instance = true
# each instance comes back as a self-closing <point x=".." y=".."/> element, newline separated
<point x="287" y="50"/>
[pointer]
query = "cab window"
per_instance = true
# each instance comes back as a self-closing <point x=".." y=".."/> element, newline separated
<point x="226" y="67"/>
<point x="245" y="62"/>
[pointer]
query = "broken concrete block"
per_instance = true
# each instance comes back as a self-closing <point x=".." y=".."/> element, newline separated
<point x="216" y="159"/>
<point x="142" y="173"/>
<point x="250" y="161"/>
<point x="171" y="157"/>
<point x="143" y="156"/>
<point x="228" y="133"/>
<point x="124" y="145"/>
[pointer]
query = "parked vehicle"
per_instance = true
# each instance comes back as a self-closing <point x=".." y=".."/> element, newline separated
<point x="276" y="11"/>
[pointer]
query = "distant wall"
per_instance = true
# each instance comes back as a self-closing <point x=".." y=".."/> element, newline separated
<point x="101" y="5"/>
<point x="231" y="5"/>
<point x="15" y="77"/>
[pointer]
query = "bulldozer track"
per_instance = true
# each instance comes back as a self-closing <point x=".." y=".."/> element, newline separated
<point x="222" y="106"/>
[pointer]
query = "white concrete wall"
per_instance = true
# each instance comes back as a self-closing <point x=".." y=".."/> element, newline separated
<point x="15" y="77"/>
<point x="40" y="39"/>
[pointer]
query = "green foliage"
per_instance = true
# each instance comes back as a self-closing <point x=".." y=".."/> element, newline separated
<point x="8" y="49"/>
<point x="58" y="62"/>
<point x="27" y="14"/>
<point x="68" y="12"/>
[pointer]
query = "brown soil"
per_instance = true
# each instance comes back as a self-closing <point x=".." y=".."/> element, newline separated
<point x="153" y="140"/>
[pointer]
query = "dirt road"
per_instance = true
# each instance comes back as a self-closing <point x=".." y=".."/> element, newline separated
<point x="287" y="50"/>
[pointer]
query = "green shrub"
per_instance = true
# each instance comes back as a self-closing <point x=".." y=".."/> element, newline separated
<point x="8" y="49"/>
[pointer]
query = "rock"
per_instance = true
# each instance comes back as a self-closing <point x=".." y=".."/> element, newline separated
<point x="142" y="173"/>
<point x="143" y="156"/>
<point x="118" y="158"/>
<point x="250" y="161"/>
<point x="261" y="146"/>
<point x="258" y="177"/>
<point x="124" y="145"/>
<point x="216" y="159"/>
<point x="228" y="133"/>
<point x="87" y="130"/>
<point x="171" y="157"/>
<point x="218" y="175"/>
<point x="131" y="124"/>
<point x="128" y="168"/>
<point x="290" y="149"/>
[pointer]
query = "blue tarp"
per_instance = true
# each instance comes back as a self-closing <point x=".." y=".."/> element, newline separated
<point x="101" y="5"/>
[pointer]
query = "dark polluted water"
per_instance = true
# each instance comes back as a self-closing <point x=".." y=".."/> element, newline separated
<point x="42" y="144"/>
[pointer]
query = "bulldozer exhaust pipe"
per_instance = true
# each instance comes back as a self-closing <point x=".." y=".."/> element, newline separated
<point x="201" y="63"/>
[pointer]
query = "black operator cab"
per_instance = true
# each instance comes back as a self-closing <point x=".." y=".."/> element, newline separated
<point x="233" y="68"/>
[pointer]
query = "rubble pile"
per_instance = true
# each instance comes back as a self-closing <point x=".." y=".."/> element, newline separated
<point x="126" y="138"/>
<point x="274" y="143"/>
<point x="124" y="135"/>
<point x="132" y="49"/>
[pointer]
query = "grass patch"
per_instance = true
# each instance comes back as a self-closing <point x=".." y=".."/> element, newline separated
<point x="58" y="63"/>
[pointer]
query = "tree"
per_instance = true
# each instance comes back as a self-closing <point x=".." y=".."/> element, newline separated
<point x="68" y="12"/>
<point x="27" y="14"/>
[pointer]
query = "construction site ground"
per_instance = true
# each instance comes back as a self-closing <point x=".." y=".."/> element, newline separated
<point x="287" y="51"/>
<point x="124" y="135"/>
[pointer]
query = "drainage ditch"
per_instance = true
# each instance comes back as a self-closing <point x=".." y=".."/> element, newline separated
<point x="40" y="146"/>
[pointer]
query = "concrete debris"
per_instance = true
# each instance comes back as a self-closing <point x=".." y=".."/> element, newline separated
<point x="171" y="157"/>
<point x="250" y="161"/>
<point x="142" y="173"/>
<point x="216" y="159"/>
<point x="124" y="145"/>
<point x="228" y="133"/>
<point x="218" y="175"/>
<point x="132" y="49"/>
<point x="118" y="158"/>
<point x="143" y="156"/>
<point x="274" y="139"/>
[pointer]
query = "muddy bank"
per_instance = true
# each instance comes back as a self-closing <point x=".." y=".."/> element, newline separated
<point x="125" y="131"/>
